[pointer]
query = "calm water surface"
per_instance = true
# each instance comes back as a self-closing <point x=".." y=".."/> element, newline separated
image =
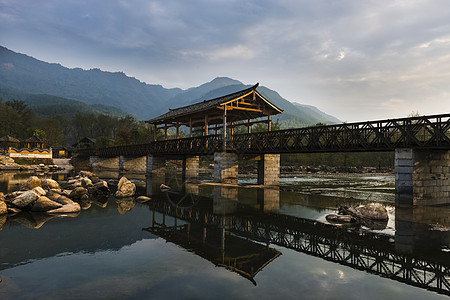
<point x="207" y="241"/>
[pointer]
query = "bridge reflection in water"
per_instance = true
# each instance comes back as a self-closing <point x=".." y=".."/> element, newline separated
<point x="239" y="236"/>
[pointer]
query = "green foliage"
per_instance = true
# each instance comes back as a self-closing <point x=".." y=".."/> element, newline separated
<point x="17" y="120"/>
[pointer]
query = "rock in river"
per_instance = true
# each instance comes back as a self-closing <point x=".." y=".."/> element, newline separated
<point x="372" y="211"/>
<point x="125" y="188"/>
<point x="339" y="219"/>
<point x="24" y="199"/>
<point x="45" y="204"/>
<point x="68" y="208"/>
<point x="32" y="182"/>
<point x="49" y="184"/>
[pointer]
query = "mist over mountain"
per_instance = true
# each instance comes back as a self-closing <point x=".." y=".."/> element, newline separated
<point x="43" y="84"/>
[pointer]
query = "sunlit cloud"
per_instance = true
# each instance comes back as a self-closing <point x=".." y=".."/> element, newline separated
<point x="332" y="55"/>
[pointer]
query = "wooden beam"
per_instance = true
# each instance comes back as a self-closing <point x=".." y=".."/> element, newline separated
<point x="225" y="128"/>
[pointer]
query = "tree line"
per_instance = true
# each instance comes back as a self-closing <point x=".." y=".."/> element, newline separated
<point x="19" y="121"/>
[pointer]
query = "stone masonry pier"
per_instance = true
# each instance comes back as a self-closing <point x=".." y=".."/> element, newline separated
<point x="422" y="177"/>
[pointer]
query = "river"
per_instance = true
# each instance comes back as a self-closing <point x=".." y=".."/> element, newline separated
<point x="203" y="241"/>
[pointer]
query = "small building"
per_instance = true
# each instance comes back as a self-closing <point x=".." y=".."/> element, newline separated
<point x="8" y="141"/>
<point x="85" y="143"/>
<point x="60" y="152"/>
<point x="34" y="142"/>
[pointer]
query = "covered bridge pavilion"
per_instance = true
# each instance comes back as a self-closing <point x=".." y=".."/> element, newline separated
<point x="221" y="115"/>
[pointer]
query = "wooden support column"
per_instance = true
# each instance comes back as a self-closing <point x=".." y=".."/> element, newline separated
<point x="165" y="132"/>
<point x="269" y="124"/>
<point x="190" y="127"/>
<point x="225" y="128"/>
<point x="249" y="127"/>
<point x="232" y="130"/>
<point x="206" y="129"/>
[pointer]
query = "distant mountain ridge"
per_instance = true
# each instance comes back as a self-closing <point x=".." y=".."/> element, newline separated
<point x="25" y="75"/>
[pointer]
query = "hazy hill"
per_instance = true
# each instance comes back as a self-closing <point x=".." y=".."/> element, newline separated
<point x="31" y="76"/>
<point x="294" y="114"/>
<point x="28" y="76"/>
<point x="48" y="105"/>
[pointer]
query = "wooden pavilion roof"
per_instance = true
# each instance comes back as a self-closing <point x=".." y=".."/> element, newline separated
<point x="9" y="139"/>
<point x="242" y="105"/>
<point x="34" y="139"/>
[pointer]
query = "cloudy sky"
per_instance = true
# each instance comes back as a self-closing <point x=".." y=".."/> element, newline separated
<point x="357" y="60"/>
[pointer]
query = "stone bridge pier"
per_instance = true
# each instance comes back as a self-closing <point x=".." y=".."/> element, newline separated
<point x="422" y="177"/>
<point x="226" y="168"/>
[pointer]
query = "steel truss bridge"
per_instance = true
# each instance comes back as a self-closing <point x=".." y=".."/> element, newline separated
<point x="425" y="132"/>
<point x="361" y="250"/>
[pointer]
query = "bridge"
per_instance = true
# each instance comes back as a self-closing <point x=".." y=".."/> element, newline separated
<point x="211" y="236"/>
<point x="421" y="145"/>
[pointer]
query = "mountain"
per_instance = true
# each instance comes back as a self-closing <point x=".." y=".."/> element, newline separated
<point x="48" y="105"/>
<point x="37" y="82"/>
<point x="294" y="115"/>
<point x="31" y="76"/>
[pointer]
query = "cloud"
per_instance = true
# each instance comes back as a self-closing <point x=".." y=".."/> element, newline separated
<point x="361" y="54"/>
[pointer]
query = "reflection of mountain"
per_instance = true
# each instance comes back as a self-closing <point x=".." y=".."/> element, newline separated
<point x="96" y="229"/>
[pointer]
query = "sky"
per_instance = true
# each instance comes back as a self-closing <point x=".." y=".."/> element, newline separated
<point x="356" y="60"/>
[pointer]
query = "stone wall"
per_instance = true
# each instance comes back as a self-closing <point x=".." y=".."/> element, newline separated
<point x="422" y="177"/>
<point x="110" y="163"/>
<point x="134" y="164"/>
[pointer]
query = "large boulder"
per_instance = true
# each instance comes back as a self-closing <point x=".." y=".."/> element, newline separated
<point x="89" y="175"/>
<point x="77" y="193"/>
<point x="52" y="195"/>
<point x="25" y="199"/>
<point x="100" y="188"/>
<point x="68" y="208"/>
<point x="49" y="184"/>
<point x="125" y="188"/>
<point x="86" y="182"/>
<point x="33" y="182"/>
<point x="45" y="204"/>
<point x="39" y="191"/>
<point x="64" y="200"/>
<point x="372" y="211"/>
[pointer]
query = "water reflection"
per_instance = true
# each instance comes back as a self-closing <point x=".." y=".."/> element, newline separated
<point x="241" y="229"/>
<point x="427" y="267"/>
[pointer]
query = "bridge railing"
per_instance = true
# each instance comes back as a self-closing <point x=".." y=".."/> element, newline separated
<point x="385" y="135"/>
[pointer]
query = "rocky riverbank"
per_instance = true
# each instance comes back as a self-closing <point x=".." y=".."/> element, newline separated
<point x="42" y="199"/>
<point x="9" y="164"/>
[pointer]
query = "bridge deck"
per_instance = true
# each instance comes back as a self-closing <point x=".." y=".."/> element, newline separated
<point x="425" y="132"/>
